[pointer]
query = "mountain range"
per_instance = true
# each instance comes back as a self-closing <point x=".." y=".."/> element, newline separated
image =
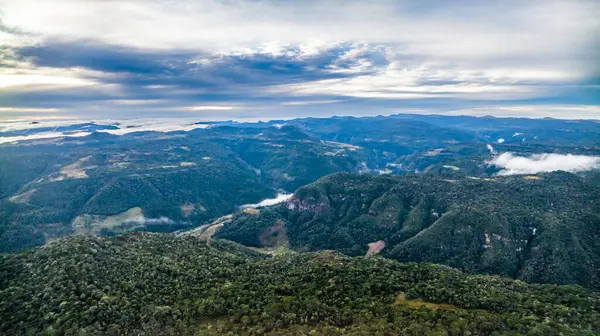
<point x="117" y="179"/>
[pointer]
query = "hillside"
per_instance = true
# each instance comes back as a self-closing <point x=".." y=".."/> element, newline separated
<point x="104" y="183"/>
<point x="167" y="181"/>
<point x="541" y="228"/>
<point x="165" y="285"/>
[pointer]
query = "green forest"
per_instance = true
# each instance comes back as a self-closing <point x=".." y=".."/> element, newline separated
<point x="160" y="284"/>
<point x="542" y="228"/>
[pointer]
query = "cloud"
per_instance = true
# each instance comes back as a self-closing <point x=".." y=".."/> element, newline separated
<point x="154" y="125"/>
<point x="208" y="108"/>
<point x="23" y="130"/>
<point x="425" y="27"/>
<point x="271" y="201"/>
<point x="30" y="109"/>
<point x="167" y="55"/>
<point x="145" y="221"/>
<point x="311" y="102"/>
<point x="40" y="136"/>
<point x="541" y="163"/>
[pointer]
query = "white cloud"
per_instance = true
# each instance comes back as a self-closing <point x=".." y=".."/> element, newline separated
<point x="411" y="80"/>
<point x="150" y="124"/>
<point x="22" y="74"/>
<point x="40" y="136"/>
<point x="41" y="81"/>
<point x="25" y="123"/>
<point x="141" y="219"/>
<point x="311" y="102"/>
<point x="270" y="201"/>
<point x="469" y="29"/>
<point x="462" y="50"/>
<point x="29" y="109"/>
<point x="209" y="108"/>
<point x="125" y="126"/>
<point x="540" y="163"/>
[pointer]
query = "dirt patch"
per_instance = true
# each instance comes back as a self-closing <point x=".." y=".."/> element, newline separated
<point x="375" y="247"/>
<point x="451" y="181"/>
<point x="23" y="198"/>
<point x="186" y="209"/>
<point x="187" y="164"/>
<point x="480" y="178"/>
<point x="434" y="152"/>
<point x="76" y="170"/>
<point x="210" y="231"/>
<point x="120" y="165"/>
<point x="455" y="168"/>
<point x="87" y="223"/>
<point x="251" y="211"/>
<point x="532" y="177"/>
<point x="206" y="231"/>
<point x="275" y="236"/>
<point x="418" y="303"/>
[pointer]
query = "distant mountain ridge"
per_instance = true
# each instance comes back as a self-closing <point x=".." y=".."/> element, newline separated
<point x="167" y="181"/>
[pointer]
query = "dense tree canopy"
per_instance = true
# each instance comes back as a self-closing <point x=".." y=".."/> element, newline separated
<point x="165" y="285"/>
<point x="542" y="228"/>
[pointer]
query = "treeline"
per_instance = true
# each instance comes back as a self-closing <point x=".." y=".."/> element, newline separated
<point x="159" y="284"/>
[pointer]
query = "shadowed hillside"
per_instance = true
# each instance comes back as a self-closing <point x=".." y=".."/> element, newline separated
<point x="539" y="228"/>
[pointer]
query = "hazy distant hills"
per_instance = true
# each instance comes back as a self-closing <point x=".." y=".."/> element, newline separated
<point x="165" y="181"/>
<point x="538" y="228"/>
<point x="51" y="189"/>
<point x="158" y="284"/>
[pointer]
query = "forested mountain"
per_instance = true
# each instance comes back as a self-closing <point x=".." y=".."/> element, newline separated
<point x="156" y="181"/>
<point x="547" y="131"/>
<point x="159" y="284"/>
<point x="168" y="181"/>
<point x="538" y="228"/>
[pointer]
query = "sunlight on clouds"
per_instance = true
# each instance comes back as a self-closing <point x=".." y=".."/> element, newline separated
<point x="135" y="102"/>
<point x="29" y="109"/>
<point x="412" y="83"/>
<point x="300" y="51"/>
<point x="209" y="108"/>
<point x="477" y="33"/>
<point x="311" y="102"/>
<point x="24" y="75"/>
<point x="40" y="81"/>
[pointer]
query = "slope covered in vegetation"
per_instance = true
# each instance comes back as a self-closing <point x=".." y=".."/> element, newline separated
<point x="53" y="188"/>
<point x="543" y="228"/>
<point x="161" y="284"/>
<point x="177" y="180"/>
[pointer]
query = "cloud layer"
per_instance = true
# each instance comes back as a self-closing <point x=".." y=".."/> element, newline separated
<point x="270" y="201"/>
<point x="543" y="163"/>
<point x="298" y="58"/>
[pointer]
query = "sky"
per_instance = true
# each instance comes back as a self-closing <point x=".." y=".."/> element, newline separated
<point x="227" y="59"/>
